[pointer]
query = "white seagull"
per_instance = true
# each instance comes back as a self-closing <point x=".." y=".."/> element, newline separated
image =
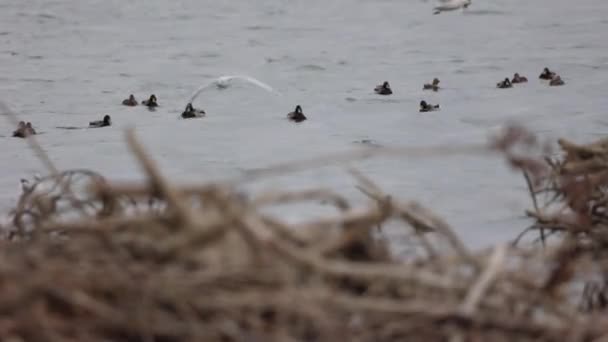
<point x="451" y="5"/>
<point x="223" y="82"/>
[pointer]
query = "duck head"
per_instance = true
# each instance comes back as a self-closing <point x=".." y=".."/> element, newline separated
<point x="28" y="125"/>
<point x="546" y="70"/>
<point x="107" y="120"/>
<point x="298" y="109"/>
<point x="131" y="98"/>
<point x="21" y="125"/>
<point x="423" y="104"/>
<point x="516" y="75"/>
<point x="385" y="85"/>
<point x="153" y="98"/>
<point x="435" y="81"/>
<point x="189" y="108"/>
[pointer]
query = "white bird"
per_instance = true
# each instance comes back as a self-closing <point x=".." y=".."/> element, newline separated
<point x="223" y="82"/>
<point x="451" y="5"/>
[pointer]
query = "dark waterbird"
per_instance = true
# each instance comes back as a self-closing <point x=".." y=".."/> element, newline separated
<point x="519" y="79"/>
<point x="383" y="89"/>
<point x="131" y="101"/>
<point x="190" y="112"/>
<point x="101" y="123"/>
<point x="506" y="83"/>
<point x="150" y="102"/>
<point x="23" y="130"/>
<point x="546" y="74"/>
<point x="556" y="81"/>
<point x="427" y="107"/>
<point x="297" y="115"/>
<point x="434" y="86"/>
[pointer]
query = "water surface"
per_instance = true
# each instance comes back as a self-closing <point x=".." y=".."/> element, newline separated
<point x="65" y="63"/>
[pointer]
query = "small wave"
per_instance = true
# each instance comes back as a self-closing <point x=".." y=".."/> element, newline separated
<point x="179" y="56"/>
<point x="69" y="127"/>
<point x="4" y="33"/>
<point x="484" y="12"/>
<point x="351" y="99"/>
<point x="581" y="47"/>
<point x="46" y="16"/>
<point x="210" y="55"/>
<point x="383" y="100"/>
<point x="259" y="28"/>
<point x="43" y="80"/>
<point x="34" y="57"/>
<point x="367" y="142"/>
<point x="276" y="59"/>
<point x="311" y="67"/>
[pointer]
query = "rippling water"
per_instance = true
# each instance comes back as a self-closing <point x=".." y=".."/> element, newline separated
<point x="65" y="63"/>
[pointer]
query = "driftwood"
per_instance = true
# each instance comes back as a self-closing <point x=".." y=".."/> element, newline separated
<point x="203" y="262"/>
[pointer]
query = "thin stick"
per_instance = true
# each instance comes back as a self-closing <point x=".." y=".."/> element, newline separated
<point x="156" y="179"/>
<point x="485" y="280"/>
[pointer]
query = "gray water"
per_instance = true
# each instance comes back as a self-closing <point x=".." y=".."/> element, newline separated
<point x="65" y="63"/>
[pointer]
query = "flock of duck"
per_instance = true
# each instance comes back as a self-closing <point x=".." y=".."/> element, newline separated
<point x="553" y="78"/>
<point x="25" y="129"/>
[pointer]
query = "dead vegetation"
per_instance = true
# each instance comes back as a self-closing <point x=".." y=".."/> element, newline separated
<point x="85" y="259"/>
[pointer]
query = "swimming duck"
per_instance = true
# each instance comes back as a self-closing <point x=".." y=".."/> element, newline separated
<point x="557" y="81"/>
<point x="102" y="123"/>
<point x="131" y="101"/>
<point x="296" y="115"/>
<point x="519" y="79"/>
<point x="383" y="89"/>
<point x="21" y="131"/>
<point x="151" y="102"/>
<point x="432" y="86"/>
<point x="190" y="112"/>
<point x="426" y="107"/>
<point x="29" y="130"/>
<point x="504" y="84"/>
<point x="546" y="74"/>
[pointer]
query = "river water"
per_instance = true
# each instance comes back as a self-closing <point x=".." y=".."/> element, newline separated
<point x="65" y="63"/>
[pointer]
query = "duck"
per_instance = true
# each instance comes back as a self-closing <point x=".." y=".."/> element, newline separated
<point x="151" y="102"/>
<point x="556" y="81"/>
<point x="190" y="112"/>
<point x="29" y="129"/>
<point x="383" y="89"/>
<point x="426" y="107"/>
<point x="504" y="84"/>
<point x="519" y="79"/>
<point x="101" y="123"/>
<point x="21" y="131"/>
<point x="546" y="74"/>
<point x="297" y="115"/>
<point x="131" y="101"/>
<point x="432" y="86"/>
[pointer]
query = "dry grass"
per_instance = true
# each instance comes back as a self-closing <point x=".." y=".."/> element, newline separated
<point x="88" y="260"/>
